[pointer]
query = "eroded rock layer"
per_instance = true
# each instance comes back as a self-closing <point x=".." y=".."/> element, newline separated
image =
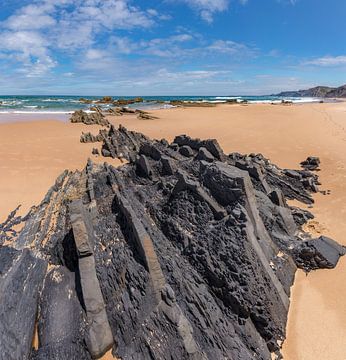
<point x="183" y="253"/>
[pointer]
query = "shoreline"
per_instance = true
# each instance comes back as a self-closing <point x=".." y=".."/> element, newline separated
<point x="34" y="151"/>
<point x="7" y="115"/>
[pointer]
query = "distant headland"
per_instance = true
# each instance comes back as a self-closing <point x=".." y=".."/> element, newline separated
<point x="318" y="91"/>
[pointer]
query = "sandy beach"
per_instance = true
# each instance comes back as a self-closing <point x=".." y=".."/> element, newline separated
<point x="34" y="153"/>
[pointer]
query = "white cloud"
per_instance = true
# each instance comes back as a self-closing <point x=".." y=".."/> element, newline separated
<point x="207" y="8"/>
<point x="30" y="17"/>
<point x="181" y="47"/>
<point x="327" y="61"/>
<point x="230" y="47"/>
<point x="188" y="75"/>
<point x="33" y="32"/>
<point x="30" y="49"/>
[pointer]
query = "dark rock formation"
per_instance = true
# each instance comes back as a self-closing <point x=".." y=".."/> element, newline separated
<point x="21" y="278"/>
<point x="321" y="253"/>
<point x="211" y="145"/>
<point x="204" y="154"/>
<point x="311" y="163"/>
<point x="186" y="151"/>
<point x="143" y="115"/>
<point x="121" y="143"/>
<point x="95" y="118"/>
<point x="105" y="100"/>
<point x="90" y="138"/>
<point x="120" y="111"/>
<point x="167" y="257"/>
<point x="199" y="103"/>
<point x="123" y="102"/>
<point x="86" y="101"/>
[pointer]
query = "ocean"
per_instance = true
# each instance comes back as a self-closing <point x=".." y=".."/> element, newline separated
<point x="68" y="104"/>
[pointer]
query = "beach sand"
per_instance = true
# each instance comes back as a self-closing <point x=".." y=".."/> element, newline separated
<point x="35" y="153"/>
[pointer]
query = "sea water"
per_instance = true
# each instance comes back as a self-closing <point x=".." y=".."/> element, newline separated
<point x="68" y="104"/>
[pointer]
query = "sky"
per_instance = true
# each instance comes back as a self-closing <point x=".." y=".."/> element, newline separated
<point x="170" y="47"/>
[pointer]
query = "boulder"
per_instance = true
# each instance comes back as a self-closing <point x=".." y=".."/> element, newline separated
<point x="204" y="154"/>
<point x="95" y="118"/>
<point x="167" y="166"/>
<point x="143" y="167"/>
<point x="320" y="253"/>
<point x="211" y="145"/>
<point x="311" y="163"/>
<point x="186" y="151"/>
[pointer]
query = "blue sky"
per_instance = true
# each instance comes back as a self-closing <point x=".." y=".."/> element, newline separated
<point x="170" y="47"/>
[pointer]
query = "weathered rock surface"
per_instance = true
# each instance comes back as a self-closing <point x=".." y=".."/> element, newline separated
<point x="90" y="138"/>
<point x="120" y="111"/>
<point x="21" y="278"/>
<point x="321" y="253"/>
<point x="95" y="118"/>
<point x="123" y="144"/>
<point x="167" y="257"/>
<point x="311" y="163"/>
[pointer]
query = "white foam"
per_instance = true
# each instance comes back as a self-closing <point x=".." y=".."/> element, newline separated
<point x="39" y="112"/>
<point x="228" y="97"/>
<point x="279" y="101"/>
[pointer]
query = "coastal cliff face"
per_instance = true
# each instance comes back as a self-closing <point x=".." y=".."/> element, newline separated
<point x="318" y="91"/>
<point x="184" y="252"/>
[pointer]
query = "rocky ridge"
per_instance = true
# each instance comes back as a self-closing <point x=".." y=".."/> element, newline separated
<point x="184" y="252"/>
<point x="318" y="91"/>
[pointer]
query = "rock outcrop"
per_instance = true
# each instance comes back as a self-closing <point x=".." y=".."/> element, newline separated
<point x="90" y="138"/>
<point x="321" y="253"/>
<point x="311" y="163"/>
<point x="167" y="257"/>
<point x="94" y="118"/>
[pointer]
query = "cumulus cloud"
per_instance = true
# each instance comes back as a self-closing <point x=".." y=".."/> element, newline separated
<point x="230" y="47"/>
<point x="207" y="8"/>
<point x="31" y="17"/>
<point x="93" y="41"/>
<point x="30" y="49"/>
<point x="183" y="46"/>
<point x="33" y="32"/>
<point x="327" y="61"/>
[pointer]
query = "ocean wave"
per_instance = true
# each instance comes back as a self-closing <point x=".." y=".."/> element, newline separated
<point x="37" y="112"/>
<point x="279" y="101"/>
<point x="212" y="101"/>
<point x="60" y="100"/>
<point x="228" y="97"/>
<point x="10" y="102"/>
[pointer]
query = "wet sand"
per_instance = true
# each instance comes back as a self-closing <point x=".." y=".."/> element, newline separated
<point x="34" y="153"/>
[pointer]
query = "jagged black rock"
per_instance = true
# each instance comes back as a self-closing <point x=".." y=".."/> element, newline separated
<point x="175" y="255"/>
